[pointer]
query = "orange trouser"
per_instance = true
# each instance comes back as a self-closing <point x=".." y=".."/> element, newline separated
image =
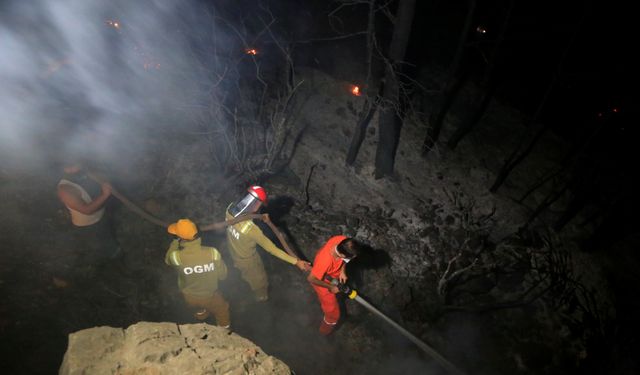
<point x="215" y="304"/>
<point x="330" y="308"/>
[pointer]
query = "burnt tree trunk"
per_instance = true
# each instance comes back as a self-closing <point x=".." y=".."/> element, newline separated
<point x="575" y="206"/>
<point x="569" y="161"/>
<point x="518" y="156"/>
<point x="472" y="119"/>
<point x="583" y="186"/>
<point x="370" y="104"/>
<point x="361" y="129"/>
<point x="541" y="182"/>
<point x="453" y="84"/>
<point x="390" y="116"/>
<point x="551" y="198"/>
<point x="489" y="85"/>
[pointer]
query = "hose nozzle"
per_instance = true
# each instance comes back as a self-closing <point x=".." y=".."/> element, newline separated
<point x="346" y="289"/>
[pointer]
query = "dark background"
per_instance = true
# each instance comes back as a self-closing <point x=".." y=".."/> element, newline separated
<point x="594" y="99"/>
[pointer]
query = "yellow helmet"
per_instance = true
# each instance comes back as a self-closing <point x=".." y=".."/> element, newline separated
<point x="184" y="229"/>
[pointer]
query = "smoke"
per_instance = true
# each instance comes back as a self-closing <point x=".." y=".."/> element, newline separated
<point x="81" y="76"/>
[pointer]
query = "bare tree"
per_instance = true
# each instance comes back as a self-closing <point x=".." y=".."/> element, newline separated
<point x="488" y="86"/>
<point x="453" y="83"/>
<point x="389" y="97"/>
<point x="370" y="104"/>
<point x="390" y="117"/>
<point x="520" y="153"/>
<point x="462" y="247"/>
<point x="246" y="108"/>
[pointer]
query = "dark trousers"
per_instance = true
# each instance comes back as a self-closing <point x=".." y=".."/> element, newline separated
<point x="94" y="244"/>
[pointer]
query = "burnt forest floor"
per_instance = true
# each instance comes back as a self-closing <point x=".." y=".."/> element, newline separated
<point x="406" y="220"/>
<point x="37" y="313"/>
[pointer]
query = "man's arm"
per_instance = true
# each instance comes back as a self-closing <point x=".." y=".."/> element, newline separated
<point x="315" y="281"/>
<point x="222" y="275"/>
<point x="169" y="258"/>
<point x="70" y="197"/>
<point x="274" y="229"/>
<point x="274" y="250"/>
<point x="343" y="274"/>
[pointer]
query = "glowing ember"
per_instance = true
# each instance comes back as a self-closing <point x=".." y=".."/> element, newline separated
<point x="355" y="90"/>
<point x="615" y="110"/>
<point x="150" y="65"/>
<point x="114" y="24"/>
<point x="55" y="66"/>
<point x="251" y="51"/>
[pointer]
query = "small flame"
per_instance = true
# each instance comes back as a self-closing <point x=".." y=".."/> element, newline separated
<point x="114" y="24"/>
<point x="355" y="90"/>
<point x="615" y="110"/>
<point x="481" y="30"/>
<point x="251" y="51"/>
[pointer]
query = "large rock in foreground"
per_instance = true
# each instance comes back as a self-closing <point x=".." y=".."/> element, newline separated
<point x="165" y="348"/>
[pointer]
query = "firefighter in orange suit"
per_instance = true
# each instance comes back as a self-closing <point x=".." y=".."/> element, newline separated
<point x="243" y="239"/>
<point x="329" y="264"/>
<point x="199" y="270"/>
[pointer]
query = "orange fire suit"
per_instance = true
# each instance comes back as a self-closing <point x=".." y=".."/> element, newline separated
<point x="199" y="269"/>
<point x="327" y="266"/>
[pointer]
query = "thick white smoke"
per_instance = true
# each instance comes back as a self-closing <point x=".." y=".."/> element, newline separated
<point x="79" y="75"/>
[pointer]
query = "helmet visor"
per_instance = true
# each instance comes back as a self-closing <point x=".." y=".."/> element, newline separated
<point x="248" y="204"/>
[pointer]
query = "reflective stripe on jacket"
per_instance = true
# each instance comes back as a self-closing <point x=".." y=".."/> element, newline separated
<point x="199" y="267"/>
<point x="243" y="237"/>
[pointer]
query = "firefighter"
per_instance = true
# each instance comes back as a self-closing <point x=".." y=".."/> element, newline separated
<point x="199" y="270"/>
<point x="328" y="265"/>
<point x="243" y="237"/>
<point x="93" y="235"/>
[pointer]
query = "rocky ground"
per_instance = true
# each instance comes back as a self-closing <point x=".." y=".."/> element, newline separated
<point x="416" y="224"/>
<point x="167" y="348"/>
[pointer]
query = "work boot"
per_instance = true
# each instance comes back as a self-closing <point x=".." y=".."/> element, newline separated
<point x="202" y="314"/>
<point x="261" y="295"/>
<point x="326" y="328"/>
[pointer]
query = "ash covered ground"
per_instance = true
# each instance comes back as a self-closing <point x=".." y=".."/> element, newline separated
<point x="447" y="258"/>
<point x="415" y="224"/>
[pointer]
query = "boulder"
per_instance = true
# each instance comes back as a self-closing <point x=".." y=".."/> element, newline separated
<point x="147" y="348"/>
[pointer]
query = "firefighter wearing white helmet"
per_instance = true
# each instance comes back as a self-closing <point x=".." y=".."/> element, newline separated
<point x="243" y="238"/>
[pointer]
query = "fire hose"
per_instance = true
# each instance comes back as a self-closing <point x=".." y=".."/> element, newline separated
<point x="344" y="288"/>
<point x="353" y="295"/>
<point x="145" y="215"/>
